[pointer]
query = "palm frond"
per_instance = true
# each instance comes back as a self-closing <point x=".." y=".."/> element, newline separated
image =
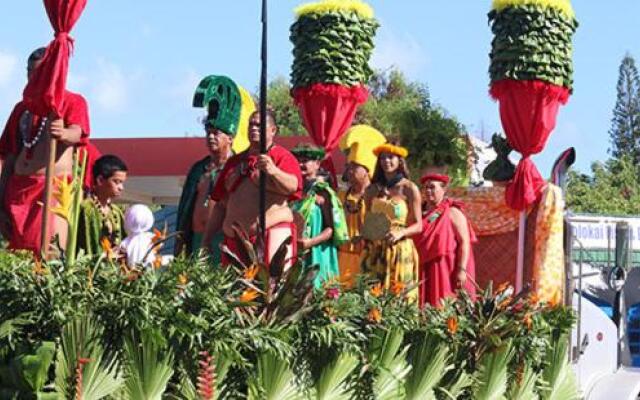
<point x="491" y="376"/>
<point x="333" y="383"/>
<point x="81" y="340"/>
<point x="526" y="388"/>
<point x="429" y="360"/>
<point x="389" y="359"/>
<point x="274" y="379"/>
<point x="463" y="380"/>
<point x="149" y="368"/>
<point x="558" y="375"/>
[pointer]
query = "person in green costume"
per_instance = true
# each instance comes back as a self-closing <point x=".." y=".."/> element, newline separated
<point x="100" y="219"/>
<point x="321" y="209"/>
<point x="195" y="204"/>
<point x="228" y="107"/>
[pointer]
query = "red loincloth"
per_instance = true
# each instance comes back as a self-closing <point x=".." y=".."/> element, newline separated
<point x="23" y="202"/>
<point x="437" y="246"/>
<point x="232" y="246"/>
<point x="241" y="166"/>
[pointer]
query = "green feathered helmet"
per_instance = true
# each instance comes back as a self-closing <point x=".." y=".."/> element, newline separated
<point x="221" y="97"/>
<point x="308" y="152"/>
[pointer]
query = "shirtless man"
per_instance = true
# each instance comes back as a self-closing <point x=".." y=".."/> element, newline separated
<point x="24" y="149"/>
<point x="236" y="192"/>
<point x="195" y="205"/>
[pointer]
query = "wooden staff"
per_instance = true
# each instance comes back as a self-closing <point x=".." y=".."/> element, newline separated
<point x="45" y="238"/>
<point x="263" y="123"/>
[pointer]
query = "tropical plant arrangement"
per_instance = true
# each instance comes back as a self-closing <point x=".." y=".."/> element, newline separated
<point x="533" y="41"/>
<point x="332" y="45"/>
<point x="531" y="75"/>
<point x="333" y="42"/>
<point x="98" y="329"/>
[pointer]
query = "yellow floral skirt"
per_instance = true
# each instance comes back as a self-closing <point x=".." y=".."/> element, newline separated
<point x="392" y="263"/>
<point x="349" y="263"/>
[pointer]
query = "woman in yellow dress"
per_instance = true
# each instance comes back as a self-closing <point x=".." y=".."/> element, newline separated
<point x="358" y="143"/>
<point x="394" y="259"/>
<point x="354" y="210"/>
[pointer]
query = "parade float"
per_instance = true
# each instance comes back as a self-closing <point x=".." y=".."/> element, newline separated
<point x="91" y="328"/>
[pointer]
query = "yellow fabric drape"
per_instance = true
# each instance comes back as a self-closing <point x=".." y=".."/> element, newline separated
<point x="548" y="262"/>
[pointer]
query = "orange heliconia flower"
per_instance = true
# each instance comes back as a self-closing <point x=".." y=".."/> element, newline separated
<point x="157" y="236"/>
<point x="503" y="286"/>
<point x="38" y="269"/>
<point x="105" y="243"/>
<point x="534" y="299"/>
<point x="452" y="325"/>
<point x="528" y="322"/>
<point x="248" y="296"/>
<point x="375" y="315"/>
<point x="376" y="290"/>
<point x="554" y="301"/>
<point x="504" y="303"/>
<point x="251" y="272"/>
<point x="183" y="279"/>
<point x="398" y="287"/>
<point x="157" y="262"/>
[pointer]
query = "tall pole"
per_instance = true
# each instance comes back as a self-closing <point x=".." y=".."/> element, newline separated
<point x="263" y="122"/>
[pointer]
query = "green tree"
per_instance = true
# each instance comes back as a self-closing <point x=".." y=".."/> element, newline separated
<point x="400" y="109"/>
<point x="286" y="112"/>
<point x="403" y="110"/>
<point x="625" y="129"/>
<point x="613" y="188"/>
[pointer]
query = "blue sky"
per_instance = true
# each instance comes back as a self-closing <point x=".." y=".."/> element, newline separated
<point x="138" y="62"/>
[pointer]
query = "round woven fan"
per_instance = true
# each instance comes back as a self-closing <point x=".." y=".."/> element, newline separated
<point x="375" y="226"/>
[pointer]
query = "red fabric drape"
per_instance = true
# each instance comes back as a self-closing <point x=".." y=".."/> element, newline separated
<point x="528" y="110"/>
<point x="92" y="155"/>
<point x="327" y="112"/>
<point x="44" y="93"/>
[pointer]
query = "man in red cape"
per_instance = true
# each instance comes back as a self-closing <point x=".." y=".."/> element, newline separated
<point x="444" y="246"/>
<point x="236" y="193"/>
<point x="24" y="151"/>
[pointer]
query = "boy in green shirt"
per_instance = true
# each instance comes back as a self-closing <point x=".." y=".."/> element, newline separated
<point x="99" y="217"/>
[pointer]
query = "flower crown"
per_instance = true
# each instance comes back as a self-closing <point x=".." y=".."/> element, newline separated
<point x="308" y="152"/>
<point x="391" y="149"/>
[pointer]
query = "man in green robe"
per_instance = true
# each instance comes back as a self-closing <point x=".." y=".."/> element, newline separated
<point x="228" y="108"/>
<point x="195" y="204"/>
<point x="321" y="209"/>
<point x="101" y="221"/>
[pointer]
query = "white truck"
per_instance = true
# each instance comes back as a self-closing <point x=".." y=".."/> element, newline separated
<point x="605" y="349"/>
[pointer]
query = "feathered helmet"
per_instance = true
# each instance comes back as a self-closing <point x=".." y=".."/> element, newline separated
<point x="359" y="142"/>
<point x="228" y="106"/>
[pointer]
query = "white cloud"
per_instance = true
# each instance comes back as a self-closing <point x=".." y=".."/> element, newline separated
<point x="110" y="90"/>
<point x="402" y="51"/>
<point x="8" y="65"/>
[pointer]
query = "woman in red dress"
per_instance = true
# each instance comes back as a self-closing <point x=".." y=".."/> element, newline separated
<point x="444" y="245"/>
